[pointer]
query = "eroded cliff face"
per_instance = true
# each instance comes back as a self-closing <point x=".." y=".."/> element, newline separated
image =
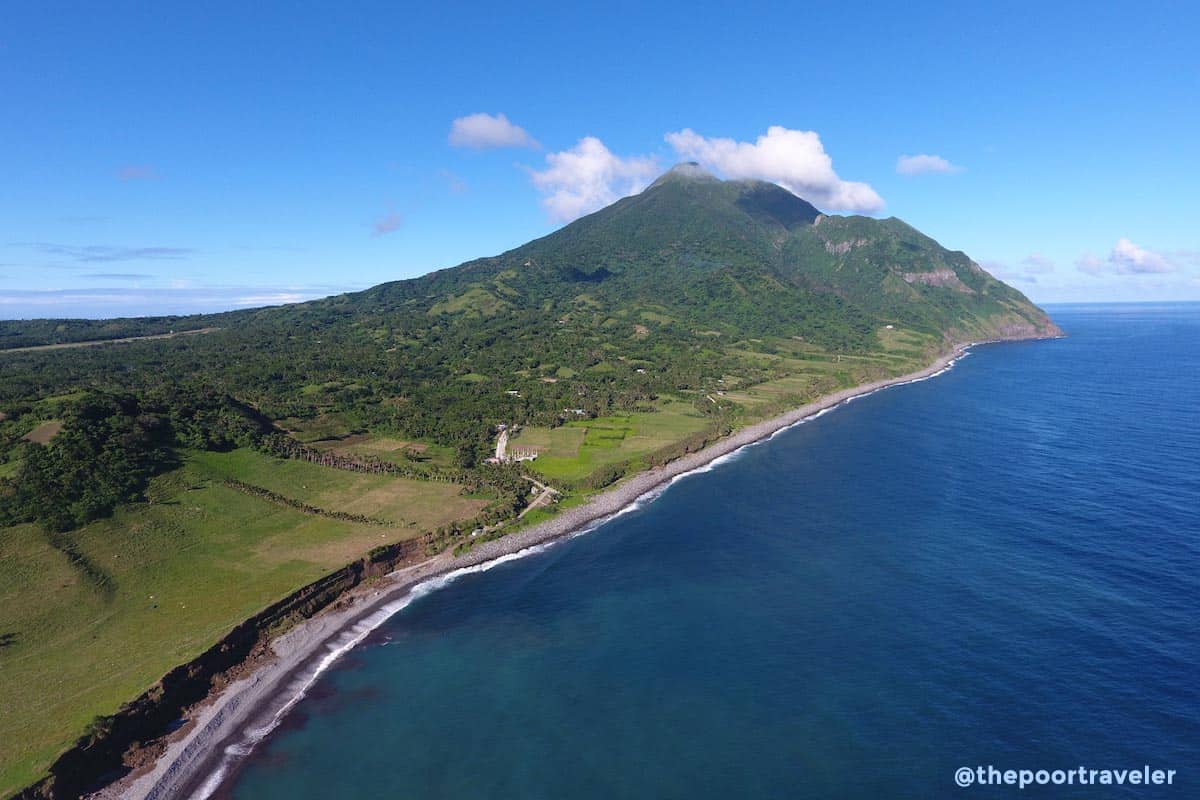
<point x="1006" y="327"/>
<point x="135" y="735"/>
<point x="1023" y="329"/>
<point x="947" y="278"/>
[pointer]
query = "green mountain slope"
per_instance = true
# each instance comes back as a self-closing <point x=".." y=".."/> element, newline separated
<point x="664" y="292"/>
<point x="743" y="257"/>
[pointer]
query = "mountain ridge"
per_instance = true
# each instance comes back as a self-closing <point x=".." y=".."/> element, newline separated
<point x="689" y="220"/>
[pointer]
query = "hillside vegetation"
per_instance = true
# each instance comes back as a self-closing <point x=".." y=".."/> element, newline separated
<point x="652" y="294"/>
<point x="155" y="492"/>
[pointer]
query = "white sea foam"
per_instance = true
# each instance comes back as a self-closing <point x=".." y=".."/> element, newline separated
<point x="335" y="649"/>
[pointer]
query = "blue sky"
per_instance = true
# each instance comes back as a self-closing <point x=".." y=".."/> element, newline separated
<point x="159" y="158"/>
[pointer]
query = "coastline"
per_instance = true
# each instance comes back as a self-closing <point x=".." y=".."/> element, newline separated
<point x="224" y="728"/>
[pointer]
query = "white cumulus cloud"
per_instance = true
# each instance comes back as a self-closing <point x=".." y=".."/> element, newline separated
<point x="1126" y="258"/>
<point x="1129" y="258"/>
<point x="796" y="160"/>
<point x="925" y="164"/>
<point x="588" y="177"/>
<point x="489" y="131"/>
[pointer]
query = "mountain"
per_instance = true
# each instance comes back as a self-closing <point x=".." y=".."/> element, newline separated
<point x="692" y="281"/>
<point x="744" y="257"/>
<point x="739" y="257"/>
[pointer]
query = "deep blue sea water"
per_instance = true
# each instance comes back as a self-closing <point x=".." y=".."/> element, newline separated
<point x="997" y="566"/>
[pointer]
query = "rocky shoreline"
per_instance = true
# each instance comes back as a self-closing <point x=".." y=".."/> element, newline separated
<point x="192" y="761"/>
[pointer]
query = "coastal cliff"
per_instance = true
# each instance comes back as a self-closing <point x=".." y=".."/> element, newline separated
<point x="130" y="739"/>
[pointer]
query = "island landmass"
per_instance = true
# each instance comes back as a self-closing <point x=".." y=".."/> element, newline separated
<point x="221" y="507"/>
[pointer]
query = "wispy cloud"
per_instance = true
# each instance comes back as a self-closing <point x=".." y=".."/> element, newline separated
<point x="1027" y="270"/>
<point x="588" y="177"/>
<point x="796" y="160"/>
<point x="103" y="253"/>
<point x="1037" y="264"/>
<point x="268" y="248"/>
<point x="1127" y="258"/>
<point x="271" y="298"/>
<point x="141" y="301"/>
<point x="388" y="223"/>
<point x="455" y="184"/>
<point x="117" y="276"/>
<point x="488" y="132"/>
<point x="1185" y="259"/>
<point x="138" y="172"/>
<point x="925" y="164"/>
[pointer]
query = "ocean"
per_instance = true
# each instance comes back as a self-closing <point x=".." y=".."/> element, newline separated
<point x="996" y="568"/>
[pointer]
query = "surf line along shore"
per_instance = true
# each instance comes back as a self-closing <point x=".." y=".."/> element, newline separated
<point x="230" y="722"/>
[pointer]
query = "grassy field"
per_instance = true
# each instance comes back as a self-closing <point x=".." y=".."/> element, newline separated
<point x="413" y="505"/>
<point x="181" y="572"/>
<point x="810" y="374"/>
<point x="389" y="448"/>
<point x="325" y="426"/>
<point x="580" y="447"/>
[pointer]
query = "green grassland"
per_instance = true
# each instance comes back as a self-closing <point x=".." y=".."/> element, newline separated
<point x="389" y="448"/>
<point x="177" y="574"/>
<point x="808" y="373"/>
<point x="323" y="426"/>
<point x="414" y="506"/>
<point x="580" y="447"/>
<point x="475" y="301"/>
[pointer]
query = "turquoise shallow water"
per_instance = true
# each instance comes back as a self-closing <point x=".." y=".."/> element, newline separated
<point x="997" y="566"/>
